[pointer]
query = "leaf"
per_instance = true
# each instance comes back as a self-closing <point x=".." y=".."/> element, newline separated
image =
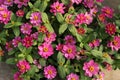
<point x="13" y="17"/>
<point x="10" y="61"/>
<point x="30" y="4"/>
<point x="44" y="17"/>
<point x="79" y="37"/>
<point x="87" y="47"/>
<point x="60" y="59"/>
<point x="28" y="15"/>
<point x="11" y="52"/>
<point x="9" y="25"/>
<point x="96" y="53"/>
<point x="37" y="3"/>
<point x="60" y="17"/>
<point x="42" y="62"/>
<point x="21" y="48"/>
<point x="49" y="27"/>
<point x="32" y="70"/>
<point x="66" y="2"/>
<point x="17" y="24"/>
<point x="30" y="59"/>
<point x="61" y="71"/>
<point x="72" y="29"/>
<point x="62" y="28"/>
<point x="16" y="31"/>
<point x="43" y="5"/>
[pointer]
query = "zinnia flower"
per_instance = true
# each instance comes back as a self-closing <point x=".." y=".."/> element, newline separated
<point x="50" y="37"/>
<point x="35" y="18"/>
<point x="59" y="47"/>
<point x="23" y="66"/>
<point x="94" y="43"/>
<point x="20" y="13"/>
<point x="100" y="76"/>
<point x="45" y="50"/>
<point x="9" y="46"/>
<point x="88" y="3"/>
<point x="17" y="76"/>
<point x="8" y="2"/>
<point x="57" y="7"/>
<point x="72" y="76"/>
<point x="16" y="41"/>
<point x="27" y="41"/>
<point x="76" y="1"/>
<point x="89" y="18"/>
<point x="81" y="31"/>
<point x="21" y="3"/>
<point x="110" y="28"/>
<point x="69" y="51"/>
<point x="42" y="29"/>
<point x="91" y="68"/>
<point x="101" y="17"/>
<point x="69" y="39"/>
<point x="50" y="72"/>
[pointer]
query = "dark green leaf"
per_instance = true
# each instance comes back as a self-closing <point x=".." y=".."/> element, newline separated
<point x="16" y="31"/>
<point x="61" y="72"/>
<point x="9" y="25"/>
<point x="10" y="61"/>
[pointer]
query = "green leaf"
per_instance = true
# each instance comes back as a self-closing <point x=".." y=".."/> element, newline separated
<point x="79" y="37"/>
<point x="87" y="47"/>
<point x="37" y="3"/>
<point x="13" y="17"/>
<point x="62" y="28"/>
<point x="45" y="17"/>
<point x="11" y="52"/>
<point x="60" y="59"/>
<point x="17" y="24"/>
<point x="43" y="5"/>
<point x="9" y="25"/>
<point x="30" y="59"/>
<point x="16" y="31"/>
<point x="32" y="70"/>
<point x="30" y="4"/>
<point x="10" y="61"/>
<point x="42" y="62"/>
<point x="66" y="2"/>
<point x="96" y="53"/>
<point x="61" y="72"/>
<point x="60" y="17"/>
<point x="49" y="27"/>
<point x="28" y="15"/>
<point x="21" y="48"/>
<point x="72" y="29"/>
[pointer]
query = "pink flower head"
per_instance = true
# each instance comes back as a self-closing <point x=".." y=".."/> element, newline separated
<point x="80" y="19"/>
<point x="69" y="51"/>
<point x="20" y="13"/>
<point x="59" y="47"/>
<point x="88" y="3"/>
<point x="94" y="43"/>
<point x="81" y="31"/>
<point x="72" y="76"/>
<point x="101" y="17"/>
<point x="35" y="35"/>
<point x="100" y="76"/>
<point x="26" y="28"/>
<point x="91" y="68"/>
<point x="35" y="18"/>
<point x="42" y="29"/>
<point x="76" y="1"/>
<point x="50" y="37"/>
<point x="8" y="2"/>
<point x="93" y="10"/>
<point x="69" y="39"/>
<point x="16" y="41"/>
<point x="45" y="50"/>
<point x="50" y="72"/>
<point x="107" y="11"/>
<point x="21" y="3"/>
<point x="69" y="19"/>
<point x="17" y="76"/>
<point x="57" y="7"/>
<point x="27" y="41"/>
<point x="1" y="2"/>
<point x="9" y="46"/>
<point x="89" y="18"/>
<point x="23" y="66"/>
<point x="115" y="43"/>
<point x="3" y="7"/>
<point x="110" y="28"/>
<point x="5" y="16"/>
<point x="100" y="1"/>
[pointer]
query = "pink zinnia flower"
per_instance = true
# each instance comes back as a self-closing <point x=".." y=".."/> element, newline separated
<point x="110" y="28"/>
<point x="100" y="76"/>
<point x="59" y="47"/>
<point x="50" y="72"/>
<point x="100" y="1"/>
<point x="9" y="46"/>
<point x="107" y="11"/>
<point x="8" y="2"/>
<point x="93" y="11"/>
<point x="69" y="39"/>
<point x="94" y="43"/>
<point x="42" y="29"/>
<point x="57" y="7"/>
<point x="81" y="31"/>
<point x="20" y="13"/>
<point x="21" y="3"/>
<point x="16" y="41"/>
<point x="5" y="16"/>
<point x="27" y="41"/>
<point x="17" y="76"/>
<point x="88" y="3"/>
<point x="3" y="7"/>
<point x="72" y="76"/>
<point x="1" y="2"/>
<point x="89" y="18"/>
<point x="35" y="35"/>
<point x="26" y="28"/>
<point x="80" y="19"/>
<point x="23" y="66"/>
<point x="45" y="50"/>
<point x="50" y="37"/>
<point x="76" y="1"/>
<point x="115" y="43"/>
<point x="69" y="51"/>
<point x="101" y="17"/>
<point x="91" y="68"/>
<point x="35" y="18"/>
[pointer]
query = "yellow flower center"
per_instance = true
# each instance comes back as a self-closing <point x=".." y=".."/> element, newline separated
<point x="73" y="78"/>
<point x="35" y="17"/>
<point x="69" y="51"/>
<point x="22" y="67"/>
<point x="49" y="71"/>
<point x="91" y="68"/>
<point x="5" y="15"/>
<point x="105" y="55"/>
<point x="115" y="42"/>
<point x="8" y="0"/>
<point x="108" y="11"/>
<point x="58" y="7"/>
<point x="45" y="49"/>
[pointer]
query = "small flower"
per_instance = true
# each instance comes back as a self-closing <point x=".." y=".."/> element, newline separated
<point x="110" y="28"/>
<point x="20" y="13"/>
<point x="100" y="76"/>
<point x="26" y="28"/>
<point x="1" y="53"/>
<point x="45" y="50"/>
<point x="27" y="41"/>
<point x="50" y="72"/>
<point x="17" y="76"/>
<point x="50" y="37"/>
<point x="3" y="7"/>
<point x="35" y="18"/>
<point x="9" y="46"/>
<point x="42" y="29"/>
<point x="35" y="35"/>
<point x="69" y="51"/>
<point x="101" y="17"/>
<point x="8" y="2"/>
<point x="91" y="68"/>
<point x="94" y="43"/>
<point x="88" y="3"/>
<point x="23" y="66"/>
<point x="69" y="19"/>
<point x="21" y="3"/>
<point x="107" y="11"/>
<point x="89" y="18"/>
<point x="76" y="1"/>
<point x="57" y="7"/>
<point x="59" y="47"/>
<point x="16" y="41"/>
<point x="69" y="39"/>
<point x="72" y="76"/>
<point x="81" y="31"/>
<point x="93" y="10"/>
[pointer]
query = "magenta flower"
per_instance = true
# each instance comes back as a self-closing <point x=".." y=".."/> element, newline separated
<point x="69" y="39"/>
<point x="88" y="3"/>
<point x="81" y="31"/>
<point x="72" y="76"/>
<point x="16" y="41"/>
<point x="21" y="3"/>
<point x="9" y="46"/>
<point x="27" y="41"/>
<point x="110" y="28"/>
<point x="50" y="37"/>
<point x="20" y="13"/>
<point x="107" y="11"/>
<point x="45" y="50"/>
<point x="35" y="35"/>
<point x="59" y="47"/>
<point x="100" y="1"/>
<point x="115" y="43"/>
<point x="17" y="76"/>
<point x="89" y="18"/>
<point x="76" y="1"/>
<point x="1" y="2"/>
<point x="50" y="72"/>
<point x="93" y="11"/>
<point x="3" y="7"/>
<point x="35" y="18"/>
<point x="101" y="17"/>
<point x="42" y="29"/>
<point x="57" y="7"/>
<point x="23" y="66"/>
<point x="91" y="68"/>
<point x="8" y="2"/>
<point x="94" y="43"/>
<point x="5" y="16"/>
<point x="69" y="51"/>
<point x="26" y="28"/>
<point x="100" y="76"/>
